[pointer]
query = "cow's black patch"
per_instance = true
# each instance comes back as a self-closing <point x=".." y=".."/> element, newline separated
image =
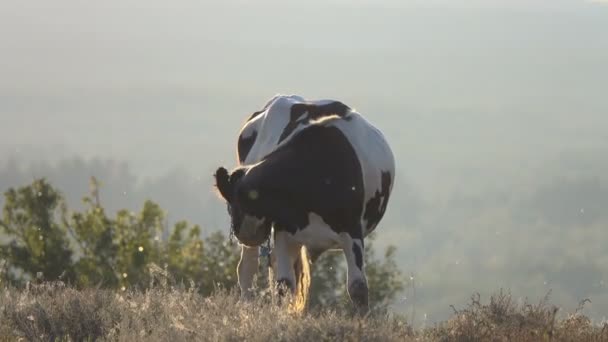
<point x="313" y="112"/>
<point x="358" y="256"/>
<point x="376" y="206"/>
<point x="244" y="146"/>
<point x="316" y="171"/>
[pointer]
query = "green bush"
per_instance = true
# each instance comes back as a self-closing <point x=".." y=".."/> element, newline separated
<point x="45" y="241"/>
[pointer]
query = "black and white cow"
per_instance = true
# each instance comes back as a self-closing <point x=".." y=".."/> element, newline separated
<point x="320" y="175"/>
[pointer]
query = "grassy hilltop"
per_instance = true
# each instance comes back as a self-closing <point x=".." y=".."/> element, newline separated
<point x="52" y="311"/>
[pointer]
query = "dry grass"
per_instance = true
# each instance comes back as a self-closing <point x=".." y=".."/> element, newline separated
<point x="53" y="312"/>
<point x="503" y="320"/>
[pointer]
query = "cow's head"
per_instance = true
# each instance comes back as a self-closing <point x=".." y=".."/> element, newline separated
<point x="249" y="227"/>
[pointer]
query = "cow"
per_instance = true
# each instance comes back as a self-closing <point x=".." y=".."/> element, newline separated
<point x="317" y="175"/>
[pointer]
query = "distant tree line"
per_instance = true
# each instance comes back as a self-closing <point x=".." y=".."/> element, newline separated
<point x="43" y="240"/>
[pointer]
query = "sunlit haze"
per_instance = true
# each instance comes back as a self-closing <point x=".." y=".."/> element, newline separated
<point x="496" y="111"/>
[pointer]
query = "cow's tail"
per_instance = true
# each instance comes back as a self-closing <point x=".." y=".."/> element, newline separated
<point x="302" y="287"/>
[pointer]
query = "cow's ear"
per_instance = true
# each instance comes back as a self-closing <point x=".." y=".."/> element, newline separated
<point x="236" y="176"/>
<point x="223" y="184"/>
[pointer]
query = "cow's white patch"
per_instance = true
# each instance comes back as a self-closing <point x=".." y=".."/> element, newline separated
<point x="317" y="234"/>
<point x="250" y="228"/>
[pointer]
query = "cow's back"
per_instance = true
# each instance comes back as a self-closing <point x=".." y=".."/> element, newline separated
<point x="273" y="126"/>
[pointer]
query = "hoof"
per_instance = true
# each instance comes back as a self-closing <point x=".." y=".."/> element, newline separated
<point x="358" y="293"/>
<point x="284" y="286"/>
<point x="246" y="296"/>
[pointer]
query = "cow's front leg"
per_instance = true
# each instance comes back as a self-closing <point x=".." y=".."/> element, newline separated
<point x="246" y="270"/>
<point x="284" y="253"/>
<point x="356" y="280"/>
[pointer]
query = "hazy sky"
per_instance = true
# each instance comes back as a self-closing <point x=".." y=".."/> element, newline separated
<point x="157" y="83"/>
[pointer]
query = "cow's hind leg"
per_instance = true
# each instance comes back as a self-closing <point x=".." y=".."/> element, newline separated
<point x="291" y="269"/>
<point x="356" y="280"/>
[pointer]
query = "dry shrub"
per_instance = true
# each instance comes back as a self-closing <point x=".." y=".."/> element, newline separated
<point x="504" y="320"/>
<point x="51" y="311"/>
